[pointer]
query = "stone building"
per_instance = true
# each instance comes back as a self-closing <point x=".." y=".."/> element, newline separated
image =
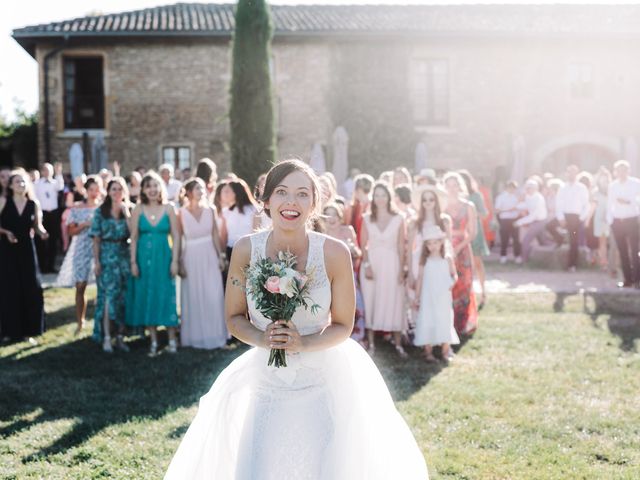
<point x="483" y="87"/>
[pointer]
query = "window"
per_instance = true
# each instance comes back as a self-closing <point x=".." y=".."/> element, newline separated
<point x="83" y="92"/>
<point x="581" y="80"/>
<point x="430" y="91"/>
<point x="178" y="156"/>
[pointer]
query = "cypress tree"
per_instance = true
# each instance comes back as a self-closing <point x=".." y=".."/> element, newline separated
<point x="253" y="136"/>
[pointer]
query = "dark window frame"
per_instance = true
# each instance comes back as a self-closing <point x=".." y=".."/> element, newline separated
<point x="80" y="100"/>
<point x="428" y="114"/>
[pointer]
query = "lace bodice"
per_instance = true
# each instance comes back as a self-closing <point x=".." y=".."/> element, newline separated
<point x="319" y="286"/>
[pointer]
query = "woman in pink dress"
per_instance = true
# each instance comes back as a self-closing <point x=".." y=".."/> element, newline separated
<point x="201" y="265"/>
<point x="464" y="221"/>
<point x="382" y="272"/>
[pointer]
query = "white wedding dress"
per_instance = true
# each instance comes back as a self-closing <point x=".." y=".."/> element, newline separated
<point x="328" y="415"/>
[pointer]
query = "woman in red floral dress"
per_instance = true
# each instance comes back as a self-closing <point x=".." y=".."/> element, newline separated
<point x="463" y="218"/>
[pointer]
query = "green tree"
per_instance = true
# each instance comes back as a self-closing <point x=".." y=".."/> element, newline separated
<point x="19" y="139"/>
<point x="253" y="135"/>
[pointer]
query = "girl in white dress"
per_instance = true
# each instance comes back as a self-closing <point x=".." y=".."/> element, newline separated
<point x="201" y="263"/>
<point x="437" y="275"/>
<point x="328" y="415"/>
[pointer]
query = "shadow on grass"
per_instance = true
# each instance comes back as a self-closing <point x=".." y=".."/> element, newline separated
<point x="78" y="381"/>
<point x="67" y="315"/>
<point x="627" y="329"/>
<point x="404" y="377"/>
<point x="623" y="320"/>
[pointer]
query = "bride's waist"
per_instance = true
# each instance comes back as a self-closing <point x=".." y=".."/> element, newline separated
<point x="302" y="329"/>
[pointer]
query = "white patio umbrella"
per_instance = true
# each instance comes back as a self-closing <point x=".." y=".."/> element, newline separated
<point x="317" y="161"/>
<point x="340" y="155"/>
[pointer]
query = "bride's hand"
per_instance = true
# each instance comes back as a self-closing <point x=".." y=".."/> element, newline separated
<point x="284" y="335"/>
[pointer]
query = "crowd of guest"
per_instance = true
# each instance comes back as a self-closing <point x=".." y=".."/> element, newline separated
<point x="597" y="214"/>
<point x="417" y="243"/>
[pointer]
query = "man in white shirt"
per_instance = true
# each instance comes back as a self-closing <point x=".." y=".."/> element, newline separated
<point x="173" y="185"/>
<point x="572" y="210"/>
<point x="623" y="213"/>
<point x="46" y="189"/>
<point x="506" y="209"/>
<point x="535" y="220"/>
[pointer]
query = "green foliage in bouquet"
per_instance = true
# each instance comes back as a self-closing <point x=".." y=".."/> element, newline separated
<point x="278" y="290"/>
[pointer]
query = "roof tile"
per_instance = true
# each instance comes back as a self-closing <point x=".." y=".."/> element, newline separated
<point x="218" y="19"/>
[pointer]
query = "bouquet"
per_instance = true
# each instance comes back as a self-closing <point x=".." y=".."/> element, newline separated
<point x="278" y="290"/>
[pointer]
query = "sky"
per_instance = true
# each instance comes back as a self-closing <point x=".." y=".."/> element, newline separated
<point x="19" y="72"/>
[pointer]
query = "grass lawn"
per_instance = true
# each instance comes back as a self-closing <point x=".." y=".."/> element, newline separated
<point x="536" y="394"/>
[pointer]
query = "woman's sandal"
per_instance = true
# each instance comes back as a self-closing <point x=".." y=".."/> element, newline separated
<point x="401" y="351"/>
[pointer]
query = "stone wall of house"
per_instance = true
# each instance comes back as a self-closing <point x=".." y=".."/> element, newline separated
<point x="161" y="92"/>
<point x="302" y="86"/>
<point x="499" y="89"/>
<point x="156" y="94"/>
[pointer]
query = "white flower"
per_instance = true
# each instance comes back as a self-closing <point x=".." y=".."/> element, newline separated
<point x="287" y="285"/>
<point x="289" y="272"/>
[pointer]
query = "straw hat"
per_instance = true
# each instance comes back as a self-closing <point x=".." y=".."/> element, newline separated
<point x="434" y="232"/>
<point x="437" y="191"/>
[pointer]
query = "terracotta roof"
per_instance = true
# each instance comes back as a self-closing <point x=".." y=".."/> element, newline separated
<point x="202" y="19"/>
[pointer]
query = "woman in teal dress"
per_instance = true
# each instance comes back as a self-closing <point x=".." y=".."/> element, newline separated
<point x="151" y="299"/>
<point x="110" y="234"/>
<point x="479" y="246"/>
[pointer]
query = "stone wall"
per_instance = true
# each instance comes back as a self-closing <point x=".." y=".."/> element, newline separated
<point x="165" y="92"/>
<point x="156" y="93"/>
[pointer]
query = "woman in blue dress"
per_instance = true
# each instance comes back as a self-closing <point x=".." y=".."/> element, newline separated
<point x="78" y="262"/>
<point x="151" y="299"/>
<point x="110" y="234"/>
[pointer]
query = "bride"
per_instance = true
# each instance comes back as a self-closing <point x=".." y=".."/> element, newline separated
<point x="328" y="415"/>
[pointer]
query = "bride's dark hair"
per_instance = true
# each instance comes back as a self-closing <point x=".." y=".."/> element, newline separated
<point x="280" y="171"/>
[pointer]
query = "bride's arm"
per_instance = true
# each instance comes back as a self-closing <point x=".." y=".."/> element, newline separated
<point x="343" y="299"/>
<point x="235" y="299"/>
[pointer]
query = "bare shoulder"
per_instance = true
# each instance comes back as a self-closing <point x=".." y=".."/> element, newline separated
<point x="242" y="250"/>
<point x="446" y="218"/>
<point x="337" y="257"/>
<point x="347" y="230"/>
<point x="136" y="210"/>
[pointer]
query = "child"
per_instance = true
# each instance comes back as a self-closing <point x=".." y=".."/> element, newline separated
<point x="436" y="277"/>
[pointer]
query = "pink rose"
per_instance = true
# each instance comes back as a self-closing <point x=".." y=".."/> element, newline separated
<point x="273" y="284"/>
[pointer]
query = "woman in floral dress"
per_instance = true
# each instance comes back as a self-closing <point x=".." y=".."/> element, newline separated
<point x="110" y="233"/>
<point x="463" y="223"/>
<point x="78" y="262"/>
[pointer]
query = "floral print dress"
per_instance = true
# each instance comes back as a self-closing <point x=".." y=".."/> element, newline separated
<point x="77" y="266"/>
<point x="114" y="260"/>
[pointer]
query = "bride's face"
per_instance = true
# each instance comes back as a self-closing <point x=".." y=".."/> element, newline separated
<point x="291" y="202"/>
